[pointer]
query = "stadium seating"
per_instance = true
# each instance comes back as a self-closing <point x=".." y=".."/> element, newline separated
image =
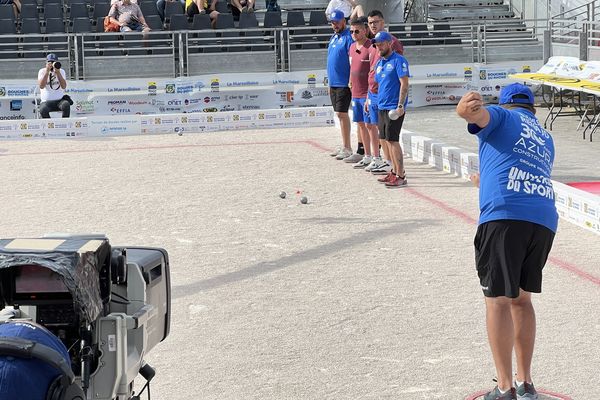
<point x="171" y="8"/>
<point x="200" y="22"/>
<point x="7" y="12"/>
<point x="179" y="22"/>
<point x="248" y="21"/>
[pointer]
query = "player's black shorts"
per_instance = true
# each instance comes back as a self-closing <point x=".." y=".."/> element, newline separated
<point x="341" y="97"/>
<point x="389" y="129"/>
<point x="510" y="255"/>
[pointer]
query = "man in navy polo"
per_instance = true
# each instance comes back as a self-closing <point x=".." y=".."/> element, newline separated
<point x="391" y="74"/>
<point x="338" y="73"/>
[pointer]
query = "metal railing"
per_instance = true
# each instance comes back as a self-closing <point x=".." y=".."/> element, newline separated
<point x="184" y="53"/>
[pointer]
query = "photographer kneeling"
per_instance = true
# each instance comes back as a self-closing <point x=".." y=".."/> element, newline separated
<point x="52" y="83"/>
<point x="34" y="364"/>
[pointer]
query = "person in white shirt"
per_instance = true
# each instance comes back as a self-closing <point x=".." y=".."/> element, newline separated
<point x="52" y="82"/>
<point x="350" y="8"/>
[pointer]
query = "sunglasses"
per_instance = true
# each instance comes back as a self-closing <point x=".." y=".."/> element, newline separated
<point x="355" y="31"/>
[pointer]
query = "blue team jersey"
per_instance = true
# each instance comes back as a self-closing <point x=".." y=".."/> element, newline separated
<point x="387" y="75"/>
<point x="515" y="163"/>
<point x="338" y="61"/>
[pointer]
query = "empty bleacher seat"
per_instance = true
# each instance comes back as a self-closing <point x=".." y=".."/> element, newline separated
<point x="225" y="21"/>
<point x="295" y="18"/>
<point x="8" y="46"/>
<point x="317" y="18"/>
<point x="172" y="8"/>
<point x="55" y="25"/>
<point x="32" y="45"/>
<point x="78" y="10"/>
<point x="200" y="22"/>
<point x="7" y="12"/>
<point x="101" y="10"/>
<point x="28" y="11"/>
<point x="248" y="21"/>
<point x="53" y="11"/>
<point x="179" y="22"/>
<point x="272" y="19"/>
<point x="154" y="22"/>
<point x="149" y="8"/>
<point x="81" y="25"/>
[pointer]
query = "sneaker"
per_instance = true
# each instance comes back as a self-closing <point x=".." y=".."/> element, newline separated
<point x="376" y="162"/>
<point x="526" y="391"/>
<point x="383" y="169"/>
<point x="390" y="175"/>
<point x="336" y="151"/>
<point x="396" y="182"/>
<point x="354" y="158"/>
<point x="366" y="161"/>
<point x="343" y="154"/>
<point x="496" y="395"/>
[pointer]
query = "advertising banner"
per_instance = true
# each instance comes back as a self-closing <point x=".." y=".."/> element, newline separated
<point x="429" y="85"/>
<point x="126" y="125"/>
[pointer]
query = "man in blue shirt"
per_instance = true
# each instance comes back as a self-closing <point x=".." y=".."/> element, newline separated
<point x="517" y="224"/>
<point x="391" y="74"/>
<point x="338" y="74"/>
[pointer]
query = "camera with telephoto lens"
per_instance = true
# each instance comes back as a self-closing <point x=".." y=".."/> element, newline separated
<point x="56" y="65"/>
<point x="109" y="305"/>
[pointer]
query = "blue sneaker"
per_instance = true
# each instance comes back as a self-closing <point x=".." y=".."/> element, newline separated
<point x="526" y="392"/>
<point x="496" y="395"/>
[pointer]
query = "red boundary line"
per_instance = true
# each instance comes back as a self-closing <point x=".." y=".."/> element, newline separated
<point x="440" y="204"/>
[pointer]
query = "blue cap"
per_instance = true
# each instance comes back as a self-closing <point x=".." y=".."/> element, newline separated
<point x="523" y="93"/>
<point x="28" y="378"/>
<point x="51" y="57"/>
<point x="382" y="36"/>
<point x="336" y="16"/>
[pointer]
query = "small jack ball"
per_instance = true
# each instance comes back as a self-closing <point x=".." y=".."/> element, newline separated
<point x="180" y="134"/>
<point x="303" y="200"/>
<point x="282" y="195"/>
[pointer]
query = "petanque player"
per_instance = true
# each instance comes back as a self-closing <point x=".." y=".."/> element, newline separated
<point x="391" y="75"/>
<point x="338" y="73"/>
<point x="376" y="24"/>
<point x="517" y="223"/>
<point x="359" y="79"/>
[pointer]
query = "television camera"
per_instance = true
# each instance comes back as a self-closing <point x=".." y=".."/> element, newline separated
<point x="110" y="306"/>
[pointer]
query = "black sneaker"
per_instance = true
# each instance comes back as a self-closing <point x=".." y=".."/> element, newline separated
<point x="526" y="392"/>
<point x="496" y="395"/>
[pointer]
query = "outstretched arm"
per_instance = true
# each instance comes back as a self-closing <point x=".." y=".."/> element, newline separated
<point x="471" y="109"/>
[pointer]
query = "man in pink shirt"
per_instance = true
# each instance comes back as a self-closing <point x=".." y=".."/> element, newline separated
<point x="378" y="166"/>
<point x="359" y="80"/>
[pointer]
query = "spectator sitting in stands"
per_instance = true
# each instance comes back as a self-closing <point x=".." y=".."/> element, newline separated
<point x="129" y="16"/>
<point x="193" y="7"/>
<point x="160" y="6"/>
<point x="16" y="6"/>
<point x="112" y="2"/>
<point x="350" y="8"/>
<point x="242" y="6"/>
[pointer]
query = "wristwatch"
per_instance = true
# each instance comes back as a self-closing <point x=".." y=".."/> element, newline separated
<point x="400" y="106"/>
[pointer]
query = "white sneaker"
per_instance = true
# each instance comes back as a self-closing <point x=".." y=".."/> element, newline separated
<point x="343" y="154"/>
<point x="336" y="151"/>
<point x="354" y="158"/>
<point x="366" y="160"/>
<point x="375" y="163"/>
<point x="383" y="169"/>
